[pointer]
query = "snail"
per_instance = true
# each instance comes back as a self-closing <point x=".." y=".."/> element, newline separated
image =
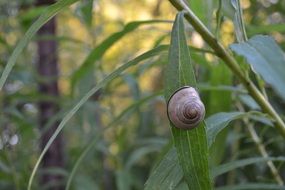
<point x="185" y="109"/>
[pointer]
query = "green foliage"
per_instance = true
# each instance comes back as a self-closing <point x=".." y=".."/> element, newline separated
<point x="191" y="145"/>
<point x="167" y="174"/>
<point x="116" y="131"/>
<point x="97" y="53"/>
<point x="45" y="17"/>
<point x="266" y="58"/>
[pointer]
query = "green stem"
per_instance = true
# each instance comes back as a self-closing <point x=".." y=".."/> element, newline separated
<point x="230" y="62"/>
<point x="219" y="18"/>
<point x="261" y="148"/>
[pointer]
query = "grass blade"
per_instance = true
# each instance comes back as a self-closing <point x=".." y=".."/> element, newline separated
<point x="50" y="12"/>
<point x="252" y="186"/>
<point x="191" y="145"/>
<point x="94" y="141"/>
<point x="102" y="83"/>
<point x="241" y="163"/>
<point x="97" y="53"/>
<point x="167" y="174"/>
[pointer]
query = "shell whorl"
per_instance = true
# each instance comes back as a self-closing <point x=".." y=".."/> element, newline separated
<point x="185" y="109"/>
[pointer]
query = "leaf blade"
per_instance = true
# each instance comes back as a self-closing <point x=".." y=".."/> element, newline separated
<point x="50" y="12"/>
<point x="84" y="99"/>
<point x="266" y="58"/>
<point x="191" y="145"/>
<point x="98" y="52"/>
<point x="240" y="163"/>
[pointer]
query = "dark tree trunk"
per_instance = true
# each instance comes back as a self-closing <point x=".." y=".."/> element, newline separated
<point x="48" y="71"/>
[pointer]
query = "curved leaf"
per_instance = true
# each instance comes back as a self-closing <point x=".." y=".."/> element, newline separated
<point x="98" y="52"/>
<point x="102" y="83"/>
<point x="252" y="186"/>
<point x="241" y="163"/>
<point x="266" y="58"/>
<point x="218" y="122"/>
<point x="167" y="174"/>
<point x="191" y="145"/>
<point x="96" y="138"/>
<point x="50" y="12"/>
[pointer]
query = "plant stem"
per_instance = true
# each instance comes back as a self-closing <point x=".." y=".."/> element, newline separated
<point x="260" y="146"/>
<point x="219" y="19"/>
<point x="230" y="62"/>
<point x="264" y="153"/>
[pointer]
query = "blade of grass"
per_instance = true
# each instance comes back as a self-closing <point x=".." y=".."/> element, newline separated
<point x="252" y="186"/>
<point x="219" y="170"/>
<point x="238" y="22"/>
<point x="101" y="84"/>
<point x="94" y="141"/>
<point x="50" y="12"/>
<point x="97" y="53"/>
<point x="167" y="174"/>
<point x="191" y="145"/>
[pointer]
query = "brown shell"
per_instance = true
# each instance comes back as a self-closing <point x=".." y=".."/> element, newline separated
<point x="185" y="109"/>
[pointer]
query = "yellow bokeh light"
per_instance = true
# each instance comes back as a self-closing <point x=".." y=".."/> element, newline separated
<point x="245" y="4"/>
<point x="197" y="40"/>
<point x="111" y="11"/>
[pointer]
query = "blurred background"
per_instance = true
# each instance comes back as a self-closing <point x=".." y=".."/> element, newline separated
<point x="125" y="121"/>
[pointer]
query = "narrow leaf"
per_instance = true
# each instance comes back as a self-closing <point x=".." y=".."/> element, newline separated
<point x="252" y="186"/>
<point x="92" y="144"/>
<point x="50" y="12"/>
<point x="191" y="145"/>
<point x="101" y="84"/>
<point x="85" y="9"/>
<point x="218" y="122"/>
<point x="266" y="58"/>
<point x="241" y="163"/>
<point x="98" y="52"/>
<point x="238" y="22"/>
<point x="219" y="75"/>
<point x="201" y="9"/>
<point x="167" y="174"/>
<point x="164" y="178"/>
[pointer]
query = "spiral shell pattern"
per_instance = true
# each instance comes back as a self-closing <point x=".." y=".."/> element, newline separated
<point x="185" y="109"/>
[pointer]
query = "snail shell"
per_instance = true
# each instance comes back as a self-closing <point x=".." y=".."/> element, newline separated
<point x="185" y="109"/>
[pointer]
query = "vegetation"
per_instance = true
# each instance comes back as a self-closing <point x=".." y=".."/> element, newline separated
<point x="85" y="85"/>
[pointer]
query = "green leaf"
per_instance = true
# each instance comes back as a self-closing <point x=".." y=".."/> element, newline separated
<point x="266" y="58"/>
<point x="191" y="145"/>
<point x="160" y="177"/>
<point x="31" y="14"/>
<point x="137" y="154"/>
<point x="124" y="179"/>
<point x="201" y="9"/>
<point x="241" y="163"/>
<point x="98" y="52"/>
<point x="253" y="186"/>
<point x="167" y="174"/>
<point x="94" y="141"/>
<point x="85" y="9"/>
<point x="218" y="122"/>
<point x="238" y="22"/>
<point x="83" y="100"/>
<point x="228" y="9"/>
<point x="50" y="12"/>
<point x="253" y="30"/>
<point x="249" y="101"/>
<point x="219" y="75"/>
